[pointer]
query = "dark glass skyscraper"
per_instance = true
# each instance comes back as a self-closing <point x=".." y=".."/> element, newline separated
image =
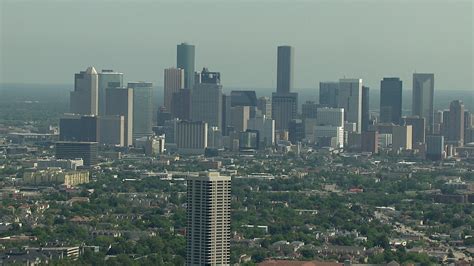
<point x="284" y="102"/>
<point x="285" y="69"/>
<point x="185" y="60"/>
<point x="365" y="108"/>
<point x="390" y="100"/>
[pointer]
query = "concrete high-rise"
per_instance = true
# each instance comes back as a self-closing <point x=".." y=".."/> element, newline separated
<point x="391" y="100"/>
<point x="285" y="69"/>
<point x="108" y="79"/>
<point x="456" y="123"/>
<point x="206" y="99"/>
<point x="185" y="61"/>
<point x="142" y="108"/>
<point x="174" y="82"/>
<point x="423" y="98"/>
<point x="191" y="137"/>
<point x="119" y="101"/>
<point x="328" y="94"/>
<point x="350" y="98"/>
<point x="84" y="98"/>
<point x="208" y="228"/>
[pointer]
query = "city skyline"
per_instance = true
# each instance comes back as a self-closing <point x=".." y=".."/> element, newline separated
<point x="316" y="59"/>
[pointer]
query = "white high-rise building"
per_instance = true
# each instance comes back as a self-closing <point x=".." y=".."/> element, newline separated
<point x="84" y="98"/>
<point x="174" y="81"/>
<point x="208" y="219"/>
<point x="350" y="98"/>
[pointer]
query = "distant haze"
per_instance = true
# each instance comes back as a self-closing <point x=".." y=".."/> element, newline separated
<point x="46" y="42"/>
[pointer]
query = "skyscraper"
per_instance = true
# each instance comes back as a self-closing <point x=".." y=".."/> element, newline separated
<point x="119" y="101"/>
<point x="265" y="106"/>
<point x="208" y="219"/>
<point x="206" y="99"/>
<point x="191" y="137"/>
<point x="435" y="147"/>
<point x="423" y="98"/>
<point x="84" y="98"/>
<point x="174" y="82"/>
<point x="108" y="79"/>
<point x="309" y="109"/>
<point x="350" y="98"/>
<point x="79" y="128"/>
<point x="328" y="94"/>
<point x="296" y="130"/>
<point x="284" y="102"/>
<point x="402" y="138"/>
<point x="87" y="151"/>
<point x="284" y="109"/>
<point x="112" y="130"/>
<point x="418" y="128"/>
<point x="285" y="69"/>
<point x="456" y="123"/>
<point x="391" y="100"/>
<point x="330" y="117"/>
<point x="185" y="61"/>
<point x="142" y="108"/>
<point x="181" y="104"/>
<point x="266" y="127"/>
<point x="239" y="117"/>
<point x="365" y="108"/>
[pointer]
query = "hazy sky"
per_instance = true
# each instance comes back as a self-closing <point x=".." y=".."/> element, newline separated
<point x="48" y="41"/>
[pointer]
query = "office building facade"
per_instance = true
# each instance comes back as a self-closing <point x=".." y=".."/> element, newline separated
<point x="185" y="61"/>
<point x="119" y="102"/>
<point x="142" y="108"/>
<point x="350" y="98"/>
<point x="84" y="98"/>
<point x="208" y="219"/>
<point x="328" y="94"/>
<point x="87" y="151"/>
<point x="391" y="100"/>
<point x="173" y="83"/>
<point x="206" y="99"/>
<point x="285" y="59"/>
<point x="191" y="137"/>
<point x="108" y="79"/>
<point x="423" y="98"/>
